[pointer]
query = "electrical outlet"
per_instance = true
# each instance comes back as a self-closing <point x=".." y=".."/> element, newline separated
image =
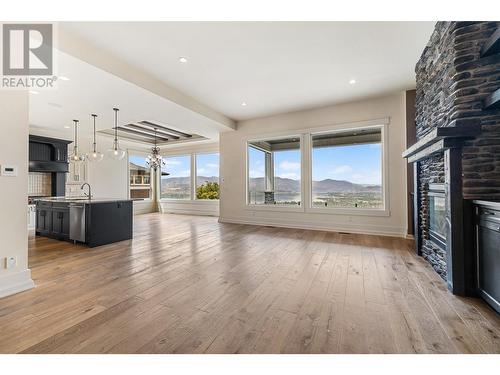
<point x="10" y="262"/>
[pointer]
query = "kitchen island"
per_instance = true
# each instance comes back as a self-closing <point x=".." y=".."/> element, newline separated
<point x="94" y="222"/>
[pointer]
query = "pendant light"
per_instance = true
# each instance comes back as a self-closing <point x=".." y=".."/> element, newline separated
<point x="154" y="160"/>
<point x="95" y="156"/>
<point x="115" y="152"/>
<point x="75" y="156"/>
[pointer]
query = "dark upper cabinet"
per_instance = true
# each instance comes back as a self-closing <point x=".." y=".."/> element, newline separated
<point x="48" y="154"/>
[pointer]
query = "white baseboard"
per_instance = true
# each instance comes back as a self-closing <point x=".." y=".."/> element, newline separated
<point x="350" y="228"/>
<point x="15" y="283"/>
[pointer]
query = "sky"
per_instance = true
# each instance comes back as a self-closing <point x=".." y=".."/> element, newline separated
<point x="138" y="160"/>
<point x="207" y="165"/>
<point x="360" y="164"/>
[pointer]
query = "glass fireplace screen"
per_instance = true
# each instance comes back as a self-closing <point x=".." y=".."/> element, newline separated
<point x="437" y="215"/>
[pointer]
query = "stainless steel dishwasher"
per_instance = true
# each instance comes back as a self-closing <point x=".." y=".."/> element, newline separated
<point x="77" y="222"/>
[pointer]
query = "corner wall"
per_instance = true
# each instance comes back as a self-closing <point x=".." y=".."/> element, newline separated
<point x="233" y="167"/>
<point x="14" y="116"/>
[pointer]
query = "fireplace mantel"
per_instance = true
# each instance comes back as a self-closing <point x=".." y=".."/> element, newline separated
<point x="440" y="139"/>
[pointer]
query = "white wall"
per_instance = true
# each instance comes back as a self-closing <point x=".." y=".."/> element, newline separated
<point x="233" y="167"/>
<point x="14" y="192"/>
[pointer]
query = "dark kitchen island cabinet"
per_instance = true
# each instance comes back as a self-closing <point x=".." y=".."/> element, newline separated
<point x="93" y="222"/>
<point x="487" y="223"/>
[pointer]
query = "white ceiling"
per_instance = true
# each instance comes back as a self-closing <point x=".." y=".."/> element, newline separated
<point x="92" y="90"/>
<point x="273" y="66"/>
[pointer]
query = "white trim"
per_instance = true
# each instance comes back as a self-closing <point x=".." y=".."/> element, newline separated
<point x="348" y="211"/>
<point x="370" y="229"/>
<point x="13" y="283"/>
<point x="274" y="208"/>
<point x="318" y="129"/>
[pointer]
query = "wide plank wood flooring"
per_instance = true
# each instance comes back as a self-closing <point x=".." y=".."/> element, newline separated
<point x="189" y="284"/>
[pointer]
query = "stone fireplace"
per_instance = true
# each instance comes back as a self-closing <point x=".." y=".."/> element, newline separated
<point x="457" y="154"/>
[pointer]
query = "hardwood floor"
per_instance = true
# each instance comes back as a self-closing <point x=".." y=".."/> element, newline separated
<point x="188" y="284"/>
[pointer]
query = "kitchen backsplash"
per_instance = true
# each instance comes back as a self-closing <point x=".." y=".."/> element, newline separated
<point x="39" y="184"/>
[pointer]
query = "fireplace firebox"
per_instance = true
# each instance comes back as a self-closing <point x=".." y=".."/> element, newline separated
<point x="437" y="215"/>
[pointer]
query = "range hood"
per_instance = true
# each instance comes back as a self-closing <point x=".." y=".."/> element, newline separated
<point x="48" y="154"/>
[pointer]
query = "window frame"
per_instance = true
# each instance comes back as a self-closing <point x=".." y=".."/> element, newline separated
<point x="131" y="152"/>
<point x="305" y="136"/>
<point x="382" y="211"/>
<point x="191" y="164"/>
<point x="265" y="207"/>
<point x="195" y="164"/>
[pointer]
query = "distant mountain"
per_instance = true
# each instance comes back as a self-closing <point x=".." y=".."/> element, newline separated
<point x="181" y="182"/>
<point x="285" y="184"/>
<point x="323" y="186"/>
<point x="342" y="186"/>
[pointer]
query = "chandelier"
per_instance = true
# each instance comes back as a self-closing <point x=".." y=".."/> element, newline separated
<point x="154" y="160"/>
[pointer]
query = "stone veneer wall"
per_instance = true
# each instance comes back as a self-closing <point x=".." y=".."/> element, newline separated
<point x="452" y="82"/>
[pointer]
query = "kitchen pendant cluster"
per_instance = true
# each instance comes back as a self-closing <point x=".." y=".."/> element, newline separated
<point x="115" y="152"/>
<point x="154" y="160"/>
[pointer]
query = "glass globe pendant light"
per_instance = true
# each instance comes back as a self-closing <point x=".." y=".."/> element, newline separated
<point x="116" y="152"/>
<point x="95" y="156"/>
<point x="75" y="157"/>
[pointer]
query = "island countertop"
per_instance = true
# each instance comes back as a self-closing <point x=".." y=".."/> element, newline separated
<point x="81" y="200"/>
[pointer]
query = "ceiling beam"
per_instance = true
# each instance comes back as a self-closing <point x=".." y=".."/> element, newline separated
<point x="164" y="129"/>
<point x="147" y="131"/>
<point x="141" y="134"/>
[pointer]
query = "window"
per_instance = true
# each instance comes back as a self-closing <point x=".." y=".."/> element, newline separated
<point x="347" y="169"/>
<point x="140" y="178"/>
<point x="274" y="168"/>
<point x="177" y="185"/>
<point x="207" y="176"/>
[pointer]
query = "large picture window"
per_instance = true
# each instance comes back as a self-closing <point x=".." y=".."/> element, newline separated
<point x="140" y="178"/>
<point x="177" y="185"/>
<point x="347" y="169"/>
<point x="274" y="172"/>
<point x="207" y="176"/>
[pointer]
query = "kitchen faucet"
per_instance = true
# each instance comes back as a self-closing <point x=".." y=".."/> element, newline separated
<point x="89" y="195"/>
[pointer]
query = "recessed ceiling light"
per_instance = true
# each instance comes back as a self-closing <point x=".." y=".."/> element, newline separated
<point x="63" y="78"/>
<point x="352" y="81"/>
<point x="55" y="105"/>
<point x="183" y="59"/>
<point x="33" y="92"/>
<point x="244" y="104"/>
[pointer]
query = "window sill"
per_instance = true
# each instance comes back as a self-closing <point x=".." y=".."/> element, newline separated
<point x="275" y="208"/>
<point x="189" y="201"/>
<point x="349" y="211"/>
